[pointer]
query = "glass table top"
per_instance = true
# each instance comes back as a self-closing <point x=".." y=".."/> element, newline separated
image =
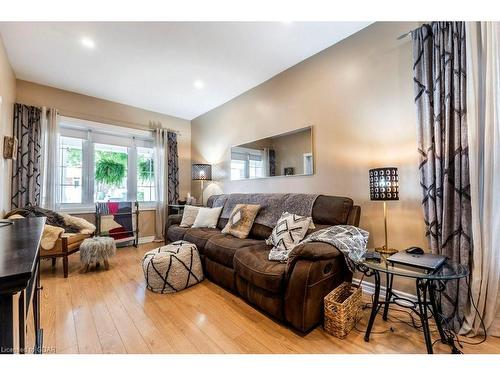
<point x="449" y="270"/>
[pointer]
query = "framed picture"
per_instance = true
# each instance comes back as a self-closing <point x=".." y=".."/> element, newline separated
<point x="289" y="171"/>
<point x="9" y="147"/>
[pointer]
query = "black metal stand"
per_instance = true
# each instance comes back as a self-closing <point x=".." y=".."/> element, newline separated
<point x="135" y="211"/>
<point x="427" y="305"/>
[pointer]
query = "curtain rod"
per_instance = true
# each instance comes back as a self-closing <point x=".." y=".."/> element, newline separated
<point x="402" y="36"/>
<point x="83" y="116"/>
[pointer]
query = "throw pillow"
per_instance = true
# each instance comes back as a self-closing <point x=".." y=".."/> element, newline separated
<point x="189" y="216"/>
<point x="207" y="217"/>
<point x="288" y="232"/>
<point x="241" y="220"/>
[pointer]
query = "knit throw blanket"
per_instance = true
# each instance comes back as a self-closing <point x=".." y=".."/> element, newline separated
<point x="347" y="238"/>
<point x="271" y="205"/>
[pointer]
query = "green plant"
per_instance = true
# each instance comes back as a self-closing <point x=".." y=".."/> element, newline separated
<point x="146" y="169"/>
<point x="110" y="167"/>
<point x="74" y="157"/>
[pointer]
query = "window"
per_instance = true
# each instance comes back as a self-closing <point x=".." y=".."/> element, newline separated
<point x="238" y="169"/>
<point x="255" y="167"/>
<point x="70" y="156"/>
<point x="247" y="163"/>
<point x="145" y="175"/>
<point x="101" y="163"/>
<point x="110" y="173"/>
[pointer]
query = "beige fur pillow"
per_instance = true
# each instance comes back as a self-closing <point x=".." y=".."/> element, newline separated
<point x="189" y="216"/>
<point x="241" y="220"/>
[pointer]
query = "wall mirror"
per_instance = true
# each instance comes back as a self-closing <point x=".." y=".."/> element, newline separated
<point x="287" y="154"/>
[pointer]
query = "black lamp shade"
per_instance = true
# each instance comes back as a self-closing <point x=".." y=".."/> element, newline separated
<point x="201" y="172"/>
<point x="384" y="184"/>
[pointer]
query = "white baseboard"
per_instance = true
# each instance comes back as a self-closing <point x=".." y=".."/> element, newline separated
<point x="369" y="288"/>
<point x="146" y="239"/>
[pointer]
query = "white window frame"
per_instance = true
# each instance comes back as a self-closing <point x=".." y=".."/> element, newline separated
<point x="91" y="133"/>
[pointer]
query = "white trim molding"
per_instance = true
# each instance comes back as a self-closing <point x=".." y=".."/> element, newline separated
<point x="146" y="239"/>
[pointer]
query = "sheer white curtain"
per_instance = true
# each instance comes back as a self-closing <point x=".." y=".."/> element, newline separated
<point x="483" y="112"/>
<point x="50" y="164"/>
<point x="160" y="166"/>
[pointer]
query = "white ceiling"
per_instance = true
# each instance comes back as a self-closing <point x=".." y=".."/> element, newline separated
<point x="154" y="65"/>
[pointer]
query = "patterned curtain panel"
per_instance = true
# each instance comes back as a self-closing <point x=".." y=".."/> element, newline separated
<point x="440" y="98"/>
<point x="173" y="168"/>
<point x="26" y="170"/>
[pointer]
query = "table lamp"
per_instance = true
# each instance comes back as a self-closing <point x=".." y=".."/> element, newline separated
<point x="384" y="186"/>
<point x="201" y="172"/>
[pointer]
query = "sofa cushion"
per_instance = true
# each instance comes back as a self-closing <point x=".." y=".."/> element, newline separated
<point x="176" y="233"/>
<point x="222" y="248"/>
<point x="200" y="236"/>
<point x="253" y="265"/>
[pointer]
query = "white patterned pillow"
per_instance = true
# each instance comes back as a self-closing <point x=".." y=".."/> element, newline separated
<point x="288" y="232"/>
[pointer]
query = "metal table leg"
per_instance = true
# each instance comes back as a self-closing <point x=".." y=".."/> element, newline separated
<point x="388" y="293"/>
<point x="436" y="311"/>
<point x="375" y="306"/>
<point x="422" y="286"/>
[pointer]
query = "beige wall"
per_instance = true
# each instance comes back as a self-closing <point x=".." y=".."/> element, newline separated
<point x="99" y="110"/>
<point x="358" y="96"/>
<point x="8" y="95"/>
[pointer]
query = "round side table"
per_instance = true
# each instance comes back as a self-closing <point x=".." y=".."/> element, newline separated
<point x="428" y="286"/>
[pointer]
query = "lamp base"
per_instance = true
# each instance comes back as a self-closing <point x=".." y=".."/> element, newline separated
<point x="384" y="250"/>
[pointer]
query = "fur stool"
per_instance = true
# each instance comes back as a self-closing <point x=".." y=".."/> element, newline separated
<point x="173" y="267"/>
<point x="95" y="250"/>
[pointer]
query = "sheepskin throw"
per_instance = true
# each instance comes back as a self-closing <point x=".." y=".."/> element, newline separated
<point x="85" y="226"/>
<point x="50" y="236"/>
<point x="172" y="268"/>
<point x="96" y="249"/>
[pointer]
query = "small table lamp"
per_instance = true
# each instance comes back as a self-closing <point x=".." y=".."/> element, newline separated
<point x="384" y="186"/>
<point x="201" y="172"/>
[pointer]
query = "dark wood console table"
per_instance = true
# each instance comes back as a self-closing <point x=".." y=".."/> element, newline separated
<point x="20" y="284"/>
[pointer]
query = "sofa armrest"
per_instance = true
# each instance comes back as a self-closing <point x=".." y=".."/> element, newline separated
<point x="312" y="251"/>
<point x="174" y="219"/>
<point x="308" y="282"/>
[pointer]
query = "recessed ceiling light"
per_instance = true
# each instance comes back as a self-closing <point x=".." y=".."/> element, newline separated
<point x="199" y="84"/>
<point x="87" y="42"/>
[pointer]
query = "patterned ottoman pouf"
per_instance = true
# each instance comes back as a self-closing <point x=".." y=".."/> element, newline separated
<point x="171" y="268"/>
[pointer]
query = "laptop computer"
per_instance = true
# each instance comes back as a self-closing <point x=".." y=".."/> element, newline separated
<point x="429" y="262"/>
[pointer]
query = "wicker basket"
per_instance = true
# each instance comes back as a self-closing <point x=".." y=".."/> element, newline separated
<point x="342" y="306"/>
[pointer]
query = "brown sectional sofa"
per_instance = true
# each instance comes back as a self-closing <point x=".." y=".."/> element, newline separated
<point x="291" y="292"/>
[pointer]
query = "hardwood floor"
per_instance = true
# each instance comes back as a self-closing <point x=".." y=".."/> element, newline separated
<point x="112" y="312"/>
